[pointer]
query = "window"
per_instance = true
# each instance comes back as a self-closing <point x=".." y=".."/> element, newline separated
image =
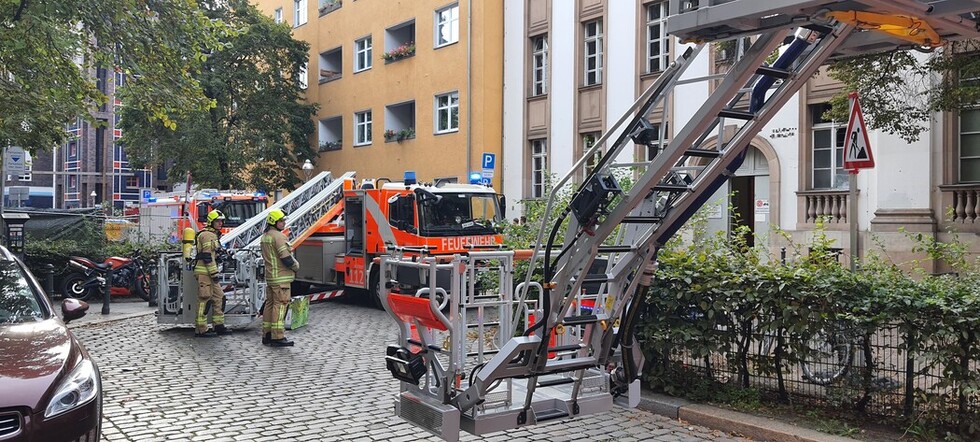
<point x="72" y="181"/>
<point x="362" y="128"/>
<point x="658" y="45"/>
<point x="970" y="146"/>
<point x="331" y="65"/>
<point x="277" y="16"/>
<point x="100" y="147"/>
<point x="401" y="213"/>
<point x="539" y="65"/>
<point x="303" y="77"/>
<point x="593" y="52"/>
<point x="828" y="150"/>
<point x="299" y="13"/>
<point x="588" y="140"/>
<point x="331" y="134"/>
<point x="400" y="121"/>
<point x="447" y="112"/>
<point x="72" y="149"/>
<point x="447" y="25"/>
<point x="539" y="168"/>
<point x="362" y="54"/>
<point x="132" y="182"/>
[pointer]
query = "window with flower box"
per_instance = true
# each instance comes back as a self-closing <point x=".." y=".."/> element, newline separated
<point x="400" y="121"/>
<point x="331" y="133"/>
<point x="399" y="42"/>
<point x="328" y="6"/>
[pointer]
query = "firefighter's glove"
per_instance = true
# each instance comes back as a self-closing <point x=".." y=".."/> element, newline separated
<point x="295" y="266"/>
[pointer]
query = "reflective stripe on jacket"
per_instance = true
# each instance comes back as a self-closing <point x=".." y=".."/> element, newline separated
<point x="275" y="247"/>
<point x="207" y="242"/>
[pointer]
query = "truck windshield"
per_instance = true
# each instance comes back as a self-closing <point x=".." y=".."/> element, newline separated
<point x="456" y="214"/>
<point x="238" y="211"/>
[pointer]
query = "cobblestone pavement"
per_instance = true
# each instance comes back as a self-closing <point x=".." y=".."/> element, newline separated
<point x="163" y="384"/>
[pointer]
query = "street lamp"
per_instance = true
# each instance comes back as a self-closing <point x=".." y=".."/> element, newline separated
<point x="92" y="197"/>
<point x="308" y="169"/>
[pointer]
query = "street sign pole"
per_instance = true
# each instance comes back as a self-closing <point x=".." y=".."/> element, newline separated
<point x="852" y="217"/>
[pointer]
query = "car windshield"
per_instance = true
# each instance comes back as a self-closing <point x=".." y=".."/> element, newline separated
<point x="455" y="214"/>
<point x="238" y="211"/>
<point x="18" y="301"/>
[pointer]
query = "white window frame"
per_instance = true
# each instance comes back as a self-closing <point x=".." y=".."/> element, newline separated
<point x="363" y="125"/>
<point x="657" y="37"/>
<point x="592" y="51"/>
<point x="445" y="106"/>
<point x="300" y="11"/>
<point x="539" y="65"/>
<point x="277" y="15"/>
<point x="362" y="54"/>
<point x="838" y="177"/>
<point x="450" y="23"/>
<point x="304" y="77"/>
<point x="539" y="168"/>
<point x="588" y="141"/>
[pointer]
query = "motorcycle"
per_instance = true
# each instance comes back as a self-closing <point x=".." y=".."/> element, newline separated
<point x="130" y="276"/>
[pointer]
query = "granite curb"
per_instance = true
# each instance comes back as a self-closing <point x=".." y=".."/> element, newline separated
<point x="733" y="422"/>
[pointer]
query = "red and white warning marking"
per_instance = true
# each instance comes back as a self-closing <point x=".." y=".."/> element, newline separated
<point x="322" y="296"/>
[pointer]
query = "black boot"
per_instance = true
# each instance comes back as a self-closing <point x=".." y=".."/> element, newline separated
<point x="281" y="343"/>
<point x="267" y="339"/>
<point x="222" y="330"/>
<point x="206" y="334"/>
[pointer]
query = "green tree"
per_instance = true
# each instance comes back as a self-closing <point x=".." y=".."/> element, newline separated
<point x="47" y="48"/>
<point x="258" y="131"/>
<point x="902" y="89"/>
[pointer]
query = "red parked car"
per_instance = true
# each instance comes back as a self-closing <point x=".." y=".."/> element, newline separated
<point x="50" y="389"/>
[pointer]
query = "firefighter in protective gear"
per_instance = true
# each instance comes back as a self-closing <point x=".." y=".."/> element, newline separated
<point x="280" y="270"/>
<point x="206" y="270"/>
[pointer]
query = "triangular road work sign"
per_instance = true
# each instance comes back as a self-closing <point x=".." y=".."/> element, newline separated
<point x="857" y="148"/>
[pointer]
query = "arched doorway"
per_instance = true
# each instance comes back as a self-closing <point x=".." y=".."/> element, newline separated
<point x="746" y="199"/>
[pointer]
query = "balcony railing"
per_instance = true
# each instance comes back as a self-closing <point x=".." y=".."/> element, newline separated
<point x="831" y="205"/>
<point x="963" y="202"/>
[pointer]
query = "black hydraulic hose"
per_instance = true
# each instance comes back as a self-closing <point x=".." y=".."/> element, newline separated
<point x="630" y="370"/>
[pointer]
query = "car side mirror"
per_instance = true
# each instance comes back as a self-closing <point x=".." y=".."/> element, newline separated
<point x="72" y="309"/>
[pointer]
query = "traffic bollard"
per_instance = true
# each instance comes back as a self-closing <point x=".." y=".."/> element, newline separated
<point x="48" y="270"/>
<point x="106" y="286"/>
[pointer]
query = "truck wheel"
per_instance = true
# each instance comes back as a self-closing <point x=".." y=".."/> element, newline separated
<point x="374" y="291"/>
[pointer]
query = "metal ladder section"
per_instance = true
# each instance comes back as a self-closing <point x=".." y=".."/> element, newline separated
<point x="321" y="190"/>
<point x="627" y="227"/>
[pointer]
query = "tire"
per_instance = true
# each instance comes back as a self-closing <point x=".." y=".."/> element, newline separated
<point x="828" y="357"/>
<point x="71" y="287"/>
<point x="374" y="290"/>
<point x="144" y="286"/>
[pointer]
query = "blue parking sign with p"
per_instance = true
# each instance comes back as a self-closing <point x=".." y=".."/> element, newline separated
<point x="488" y="160"/>
<point x="147" y="194"/>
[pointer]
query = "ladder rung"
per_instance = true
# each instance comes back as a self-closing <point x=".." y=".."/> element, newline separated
<point x="642" y="219"/>
<point x="564" y="365"/>
<point x="737" y="114"/>
<point x="773" y="72"/>
<point x="485" y="324"/>
<point x="549" y="415"/>
<point x="676" y="188"/>
<point x="561" y="348"/>
<point x="553" y="382"/>
<point x="702" y="153"/>
<point x="579" y="320"/>
<point x="598" y="277"/>
<point x="485" y="353"/>
<point x="616" y="249"/>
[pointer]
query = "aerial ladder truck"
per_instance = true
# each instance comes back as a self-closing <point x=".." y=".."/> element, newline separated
<point x="482" y="354"/>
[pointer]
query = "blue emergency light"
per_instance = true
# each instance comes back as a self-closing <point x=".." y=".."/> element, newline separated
<point x="409" y="177"/>
<point x="476" y="177"/>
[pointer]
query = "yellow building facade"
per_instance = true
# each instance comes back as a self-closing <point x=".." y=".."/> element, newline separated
<point x="402" y="84"/>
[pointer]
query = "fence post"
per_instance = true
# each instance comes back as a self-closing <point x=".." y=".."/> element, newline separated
<point x="909" y="376"/>
<point x="48" y="270"/>
<point x="106" y="288"/>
